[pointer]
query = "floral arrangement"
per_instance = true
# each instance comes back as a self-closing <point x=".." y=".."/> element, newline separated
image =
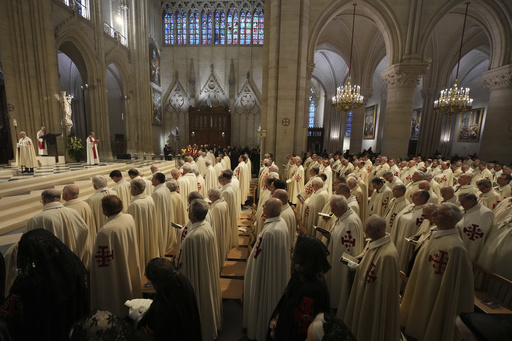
<point x="76" y="149"/>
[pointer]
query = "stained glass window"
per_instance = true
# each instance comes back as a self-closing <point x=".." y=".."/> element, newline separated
<point x="235" y="27"/>
<point x="248" y="26"/>
<point x="229" y="31"/>
<point x="312" y="109"/>
<point x="207" y="26"/>
<point x="260" y="28"/>
<point x="220" y="26"/>
<point x="255" y="26"/>
<point x="242" y="27"/>
<point x="194" y="26"/>
<point x="348" y="126"/>
<point x="169" y="28"/>
<point x="181" y="26"/>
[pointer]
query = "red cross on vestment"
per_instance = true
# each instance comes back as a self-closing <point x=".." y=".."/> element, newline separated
<point x="348" y="241"/>
<point x="473" y="232"/>
<point x="258" y="248"/>
<point x="104" y="256"/>
<point x="304" y="314"/>
<point x="443" y="179"/>
<point x="371" y="276"/>
<point x="439" y="261"/>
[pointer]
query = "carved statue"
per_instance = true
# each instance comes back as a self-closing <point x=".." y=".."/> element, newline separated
<point x="65" y="102"/>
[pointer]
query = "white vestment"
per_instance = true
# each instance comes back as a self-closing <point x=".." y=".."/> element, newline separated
<point x="242" y="176"/>
<point x="445" y="178"/>
<point x="266" y="276"/>
<point x="405" y="225"/>
<point x="218" y="218"/>
<point x="122" y="189"/>
<point x="346" y="236"/>
<point x="84" y="210"/>
<point x="229" y="194"/>
<point x="312" y="206"/>
<point x="328" y="183"/>
<point x="43" y="148"/>
<point x="474" y="228"/>
<point x="95" y="202"/>
<point x="289" y="217"/>
<point x="92" y="151"/>
<point x="201" y="165"/>
<point x="210" y="179"/>
<point x="198" y="260"/>
<point x="201" y="186"/>
<point x="297" y="184"/>
<point x="115" y="274"/>
<point x="496" y="256"/>
<point x="163" y="218"/>
<point x="490" y="199"/>
<point x="26" y="156"/>
<point x="379" y="201"/>
<point x="395" y="206"/>
<point x="142" y="209"/>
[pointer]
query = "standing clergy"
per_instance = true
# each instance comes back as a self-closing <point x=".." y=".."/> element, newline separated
<point x="346" y="236"/>
<point x="65" y="224"/>
<point x="93" y="158"/>
<point x="314" y="205"/>
<point x="380" y="198"/>
<point x="243" y="175"/>
<point x="198" y="260"/>
<point x="395" y="206"/>
<point x="137" y="174"/>
<point x="441" y="283"/>
<point x="26" y="156"/>
<point x="287" y="214"/>
<point x="43" y="148"/>
<point x="210" y="177"/>
<point x="496" y="255"/>
<point x="99" y="182"/>
<point x="406" y="224"/>
<point x="142" y="209"/>
<point x="373" y="309"/>
<point x="488" y="196"/>
<point x="70" y="195"/>
<point x="360" y="196"/>
<point x="475" y="225"/>
<point x="218" y="218"/>
<point x="183" y="187"/>
<point x="267" y="272"/>
<point x="229" y="194"/>
<point x="296" y="181"/>
<point x="163" y="213"/>
<point x="178" y="209"/>
<point x="122" y="188"/>
<point x="115" y="274"/>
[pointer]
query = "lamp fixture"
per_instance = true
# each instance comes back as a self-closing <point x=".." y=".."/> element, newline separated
<point x="349" y="96"/>
<point x="455" y="100"/>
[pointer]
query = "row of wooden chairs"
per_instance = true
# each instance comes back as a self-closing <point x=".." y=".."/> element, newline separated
<point x="493" y="293"/>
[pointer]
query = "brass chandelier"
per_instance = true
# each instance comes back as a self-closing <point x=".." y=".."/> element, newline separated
<point x="455" y="100"/>
<point x="349" y="96"/>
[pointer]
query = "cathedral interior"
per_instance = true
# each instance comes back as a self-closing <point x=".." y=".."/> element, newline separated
<point x="145" y="73"/>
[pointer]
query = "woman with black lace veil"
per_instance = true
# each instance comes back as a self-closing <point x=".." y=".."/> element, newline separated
<point x="306" y="294"/>
<point x="50" y="292"/>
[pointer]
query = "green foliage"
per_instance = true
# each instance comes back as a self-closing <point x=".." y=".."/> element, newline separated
<point x="76" y="149"/>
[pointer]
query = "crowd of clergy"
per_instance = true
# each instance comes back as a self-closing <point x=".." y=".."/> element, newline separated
<point x="377" y="217"/>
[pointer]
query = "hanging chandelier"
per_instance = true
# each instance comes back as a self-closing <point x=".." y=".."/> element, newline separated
<point x="348" y="97"/>
<point x="455" y="100"/>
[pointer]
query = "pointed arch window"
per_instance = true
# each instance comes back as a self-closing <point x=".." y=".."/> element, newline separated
<point x="207" y="25"/>
<point x="220" y="26"/>
<point x="194" y="26"/>
<point x="168" y="27"/>
<point x="312" y="109"/>
<point x="181" y="26"/>
<point x="260" y="27"/>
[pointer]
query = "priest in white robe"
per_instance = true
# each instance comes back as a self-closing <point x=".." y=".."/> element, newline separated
<point x="99" y="182"/>
<point x="314" y="205"/>
<point x="488" y="196"/>
<point x="179" y="214"/>
<point x="93" y="157"/>
<point x="218" y="218"/>
<point x="267" y="272"/>
<point x="183" y="189"/>
<point x="441" y="283"/>
<point x="163" y="213"/>
<point x="395" y="206"/>
<point x="228" y="192"/>
<point x="25" y="154"/>
<point x="219" y="166"/>
<point x="296" y="181"/>
<point x="287" y="214"/>
<point x="496" y="256"/>
<point x="445" y="178"/>
<point x="122" y="188"/>
<point x="201" y="163"/>
<point x="242" y="175"/>
<point x="328" y="172"/>
<point x="373" y="309"/>
<point x="64" y="223"/>
<point x="346" y="236"/>
<point x="503" y="187"/>
<point x="200" y="183"/>
<point x="43" y="147"/>
<point x="210" y="177"/>
<point x="198" y="260"/>
<point x="475" y="225"/>
<point x="406" y="224"/>
<point x="189" y="175"/>
<point x="380" y="198"/>
<point x="70" y="195"/>
<point x="138" y="174"/>
<point x="115" y="273"/>
<point x="357" y="192"/>
<point x="142" y="209"/>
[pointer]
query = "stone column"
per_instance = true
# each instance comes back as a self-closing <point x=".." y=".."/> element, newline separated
<point x="497" y="133"/>
<point x="401" y="80"/>
<point x="430" y="127"/>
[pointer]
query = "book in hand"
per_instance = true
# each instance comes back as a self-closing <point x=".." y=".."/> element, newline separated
<point x="321" y="230"/>
<point x="176" y="226"/>
<point x="346" y="258"/>
<point x="288" y="181"/>
<point x="324" y="215"/>
<point x="411" y="240"/>
<point x="301" y="199"/>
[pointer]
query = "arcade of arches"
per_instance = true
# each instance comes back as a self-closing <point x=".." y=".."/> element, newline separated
<point x="141" y="78"/>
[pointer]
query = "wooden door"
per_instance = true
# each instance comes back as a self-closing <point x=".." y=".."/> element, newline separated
<point x="210" y="125"/>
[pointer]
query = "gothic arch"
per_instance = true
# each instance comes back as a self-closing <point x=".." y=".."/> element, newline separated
<point x="382" y="17"/>
<point x="77" y="46"/>
<point x="491" y="16"/>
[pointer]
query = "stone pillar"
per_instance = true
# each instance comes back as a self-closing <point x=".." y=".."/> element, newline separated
<point x="401" y="81"/>
<point x="430" y="128"/>
<point x="497" y="133"/>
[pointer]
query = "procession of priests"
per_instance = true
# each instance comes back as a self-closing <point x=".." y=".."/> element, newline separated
<point x="402" y="237"/>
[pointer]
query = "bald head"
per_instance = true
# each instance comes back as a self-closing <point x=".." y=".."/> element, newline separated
<point x="282" y="195"/>
<point x="70" y="192"/>
<point x="50" y="195"/>
<point x="424" y="185"/>
<point x="272" y="208"/>
<point x="375" y="227"/>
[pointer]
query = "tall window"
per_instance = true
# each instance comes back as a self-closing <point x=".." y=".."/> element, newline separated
<point x="348" y="126"/>
<point x="215" y="24"/>
<point x="194" y="27"/>
<point x="312" y="109"/>
<point x="169" y="28"/>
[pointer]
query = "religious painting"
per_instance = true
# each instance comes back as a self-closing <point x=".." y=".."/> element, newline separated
<point x="415" y="124"/>
<point x="157" y="106"/>
<point x="469" y="125"/>
<point x="369" y="123"/>
<point x="154" y="64"/>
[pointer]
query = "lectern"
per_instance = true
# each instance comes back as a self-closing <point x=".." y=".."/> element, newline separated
<point x="51" y="145"/>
